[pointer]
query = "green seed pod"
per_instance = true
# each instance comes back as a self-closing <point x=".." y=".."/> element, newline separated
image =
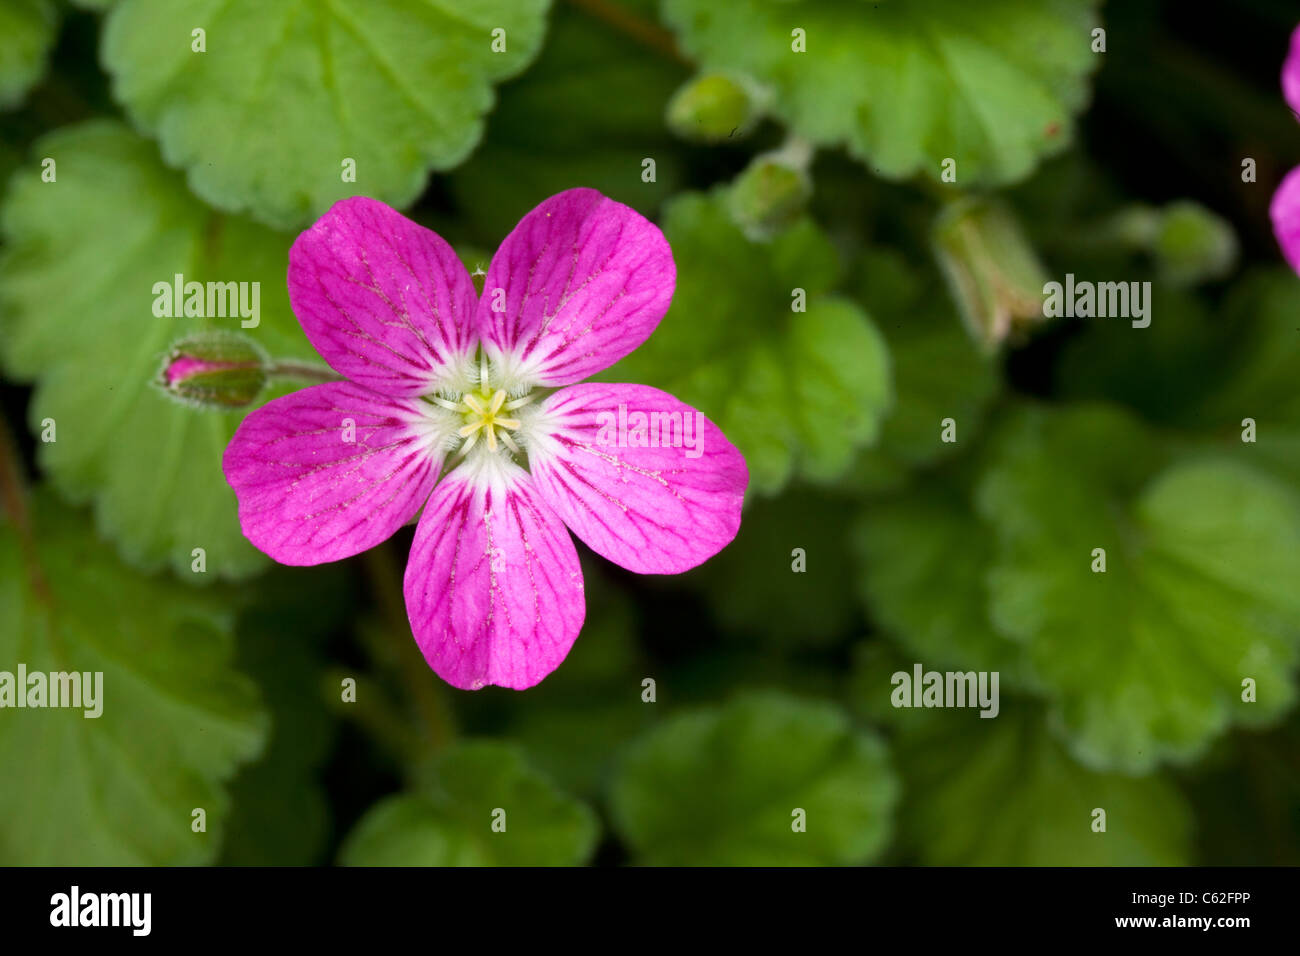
<point x="214" y="370"/>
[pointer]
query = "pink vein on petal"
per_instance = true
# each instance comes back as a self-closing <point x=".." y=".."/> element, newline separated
<point x="585" y="281"/>
<point x="329" y="471"/>
<point x="654" y="510"/>
<point x="493" y="586"/>
<point x="385" y="301"/>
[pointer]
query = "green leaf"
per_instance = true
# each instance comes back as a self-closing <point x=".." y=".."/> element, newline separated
<point x="176" y="720"/>
<point x="906" y="85"/>
<point x="452" y="823"/>
<point x="81" y="259"/>
<point x="1252" y="374"/>
<point x="27" y="32"/>
<point x="280" y="814"/>
<point x="1003" y="792"/>
<point x="287" y="91"/>
<point x="720" y="786"/>
<point x="797" y="392"/>
<point x="588" y="113"/>
<point x="924" y="560"/>
<point x="1145" y="661"/>
<point x="1257" y="376"/>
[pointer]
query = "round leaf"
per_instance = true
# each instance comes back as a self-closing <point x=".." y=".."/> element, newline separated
<point x="733" y="785"/>
<point x="1148" y="660"/>
<point x="175" y="719"/>
<point x="27" y="32"/>
<point x="77" y="278"/>
<point x="906" y="85"/>
<point x="479" y="785"/>
<point x="284" y="92"/>
<point x="1003" y="792"/>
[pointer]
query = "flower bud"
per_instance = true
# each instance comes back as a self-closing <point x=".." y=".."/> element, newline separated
<point x="992" y="271"/>
<point x="714" y="107"/>
<point x="770" y="195"/>
<point x="1193" y="244"/>
<point x="214" y="370"/>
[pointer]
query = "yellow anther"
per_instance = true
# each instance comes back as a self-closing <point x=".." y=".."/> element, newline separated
<point x="480" y="411"/>
<point x="480" y="408"/>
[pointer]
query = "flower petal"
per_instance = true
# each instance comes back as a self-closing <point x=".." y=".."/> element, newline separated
<point x="493" y="586"/>
<point x="1291" y="74"/>
<point x="385" y="301"/>
<point x="656" y="510"/>
<point x="331" y="470"/>
<point x="1285" y="212"/>
<point x="583" y="281"/>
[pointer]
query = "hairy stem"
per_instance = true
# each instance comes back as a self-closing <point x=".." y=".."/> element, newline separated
<point x="304" y="371"/>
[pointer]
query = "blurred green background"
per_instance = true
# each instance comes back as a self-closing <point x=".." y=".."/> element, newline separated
<point x="869" y="543"/>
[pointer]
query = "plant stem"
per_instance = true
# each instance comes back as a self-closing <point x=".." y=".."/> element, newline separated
<point x="384" y="574"/>
<point x="13" y="498"/>
<point x="372" y="711"/>
<point x="302" y="370"/>
<point x="645" y="32"/>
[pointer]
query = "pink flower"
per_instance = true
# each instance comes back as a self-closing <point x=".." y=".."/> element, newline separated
<point x="1291" y="74"/>
<point x="469" y="408"/>
<point x="1285" y="207"/>
<point x="1285" y="213"/>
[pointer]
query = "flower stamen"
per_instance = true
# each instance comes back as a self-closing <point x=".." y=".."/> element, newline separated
<point x="483" y="412"/>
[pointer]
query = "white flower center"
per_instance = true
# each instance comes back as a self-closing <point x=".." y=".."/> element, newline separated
<point x="485" y="413"/>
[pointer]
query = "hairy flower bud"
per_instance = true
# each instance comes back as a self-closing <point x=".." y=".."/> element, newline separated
<point x="214" y="370"/>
